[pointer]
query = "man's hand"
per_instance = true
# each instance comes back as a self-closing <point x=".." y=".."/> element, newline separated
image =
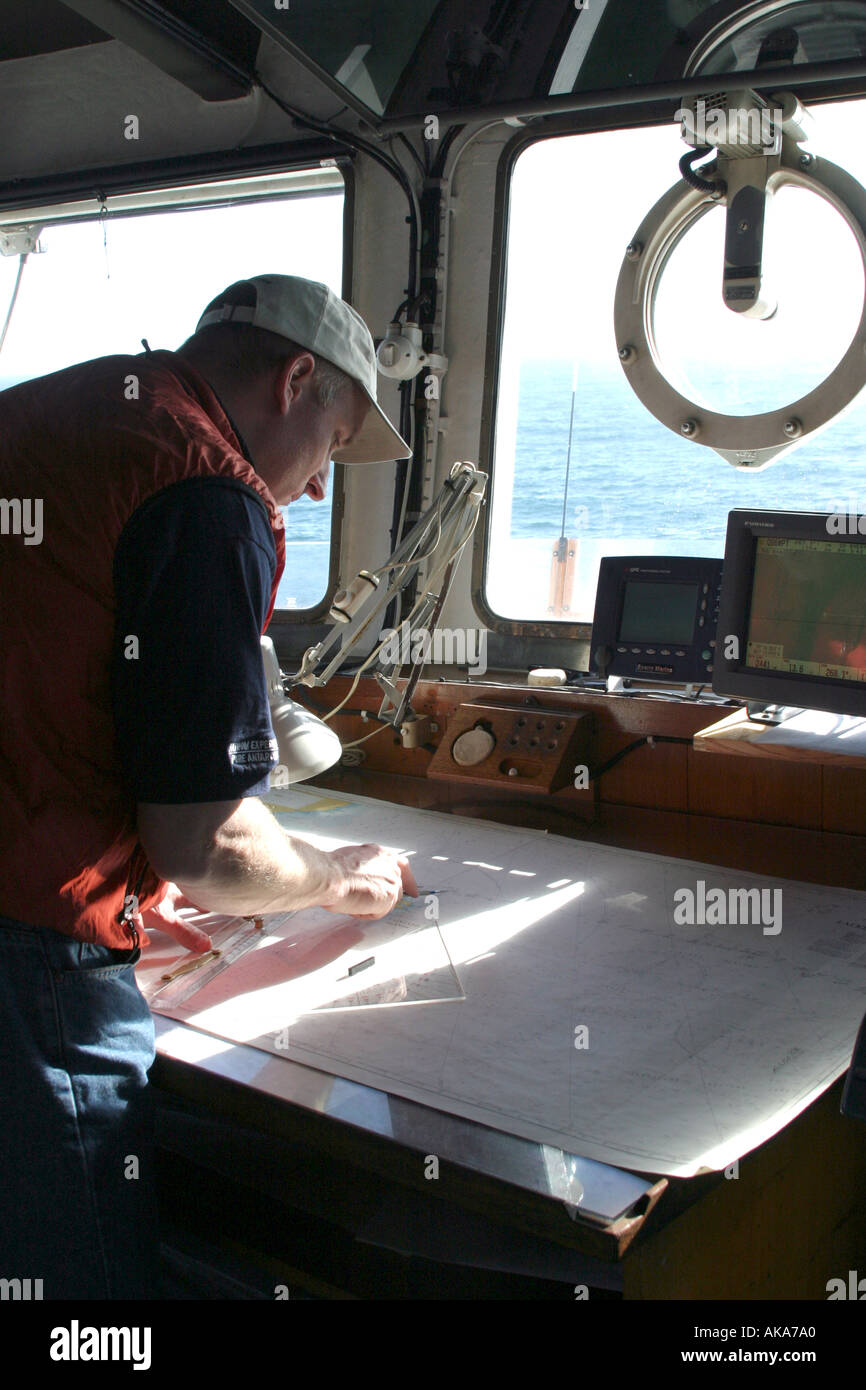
<point x="233" y="859"/>
<point x="163" y="916"/>
<point x="372" y="881"/>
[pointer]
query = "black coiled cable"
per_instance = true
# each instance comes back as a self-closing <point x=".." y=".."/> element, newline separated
<point x="715" y="185"/>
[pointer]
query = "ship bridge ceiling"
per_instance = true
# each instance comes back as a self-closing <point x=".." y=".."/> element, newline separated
<point x="191" y="71"/>
<point x="191" y="74"/>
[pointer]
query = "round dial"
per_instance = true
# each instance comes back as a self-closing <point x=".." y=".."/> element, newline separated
<point x="473" y="747"/>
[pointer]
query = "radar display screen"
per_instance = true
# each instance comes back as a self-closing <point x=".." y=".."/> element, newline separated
<point x="808" y="609"/>
<point x="658" y="612"/>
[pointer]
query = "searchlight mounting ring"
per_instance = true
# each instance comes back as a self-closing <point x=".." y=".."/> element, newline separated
<point x="746" y="441"/>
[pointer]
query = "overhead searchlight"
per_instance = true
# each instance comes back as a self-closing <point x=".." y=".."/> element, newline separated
<point x="755" y="148"/>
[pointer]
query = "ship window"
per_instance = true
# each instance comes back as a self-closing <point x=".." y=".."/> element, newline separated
<point x="629" y="485"/>
<point x="104" y="283"/>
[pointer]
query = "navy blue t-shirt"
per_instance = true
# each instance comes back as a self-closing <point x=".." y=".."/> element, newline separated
<point x="193" y="573"/>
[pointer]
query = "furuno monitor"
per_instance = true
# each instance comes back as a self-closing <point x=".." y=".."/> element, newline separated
<point x="655" y="617"/>
<point x="792" y="618"/>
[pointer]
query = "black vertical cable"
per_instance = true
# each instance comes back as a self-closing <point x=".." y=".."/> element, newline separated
<point x="354" y="142"/>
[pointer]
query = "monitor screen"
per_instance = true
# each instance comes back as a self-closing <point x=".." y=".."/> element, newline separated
<point x="658" y="612"/>
<point x="808" y="609"/>
<point x="655" y="617"/>
<point x="792" y="620"/>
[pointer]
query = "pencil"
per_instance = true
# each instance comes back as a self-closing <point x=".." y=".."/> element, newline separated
<point x="192" y="964"/>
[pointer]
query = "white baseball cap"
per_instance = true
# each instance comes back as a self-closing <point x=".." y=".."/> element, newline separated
<point x="311" y="315"/>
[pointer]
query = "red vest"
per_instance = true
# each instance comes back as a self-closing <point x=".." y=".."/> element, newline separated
<point x="92" y="442"/>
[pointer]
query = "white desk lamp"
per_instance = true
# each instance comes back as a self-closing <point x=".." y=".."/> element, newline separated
<point x="306" y="745"/>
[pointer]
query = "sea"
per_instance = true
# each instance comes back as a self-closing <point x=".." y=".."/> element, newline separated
<point x="630" y="486"/>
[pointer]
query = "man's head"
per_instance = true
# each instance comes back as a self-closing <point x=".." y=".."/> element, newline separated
<point x="295" y="367"/>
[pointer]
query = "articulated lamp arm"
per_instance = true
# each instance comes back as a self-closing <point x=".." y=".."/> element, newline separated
<point x="306" y="744"/>
<point x="450" y="520"/>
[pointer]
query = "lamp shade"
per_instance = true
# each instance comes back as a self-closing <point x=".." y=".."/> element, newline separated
<point x="306" y="745"/>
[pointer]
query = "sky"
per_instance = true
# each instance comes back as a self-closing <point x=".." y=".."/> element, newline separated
<point x="100" y="287"/>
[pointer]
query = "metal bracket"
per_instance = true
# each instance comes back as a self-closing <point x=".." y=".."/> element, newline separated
<point x="21" y="241"/>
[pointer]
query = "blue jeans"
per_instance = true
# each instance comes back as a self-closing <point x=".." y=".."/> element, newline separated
<point x="77" y="1200"/>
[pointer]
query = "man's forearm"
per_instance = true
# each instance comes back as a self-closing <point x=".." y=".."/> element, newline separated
<point x="252" y="866"/>
<point x="232" y="857"/>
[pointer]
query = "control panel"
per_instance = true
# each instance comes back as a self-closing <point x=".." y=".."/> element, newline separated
<point x="656" y="616"/>
<point x="528" y="747"/>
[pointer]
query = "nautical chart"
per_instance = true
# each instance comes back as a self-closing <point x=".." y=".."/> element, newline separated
<point x="638" y="1010"/>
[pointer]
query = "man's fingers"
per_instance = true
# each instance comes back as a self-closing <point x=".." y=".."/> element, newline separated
<point x="193" y="938"/>
<point x="409" y="885"/>
<point x="162" y="919"/>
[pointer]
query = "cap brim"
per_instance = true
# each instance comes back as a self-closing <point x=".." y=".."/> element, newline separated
<point x="376" y="442"/>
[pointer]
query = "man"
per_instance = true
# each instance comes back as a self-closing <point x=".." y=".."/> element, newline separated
<point x="134" y="712"/>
